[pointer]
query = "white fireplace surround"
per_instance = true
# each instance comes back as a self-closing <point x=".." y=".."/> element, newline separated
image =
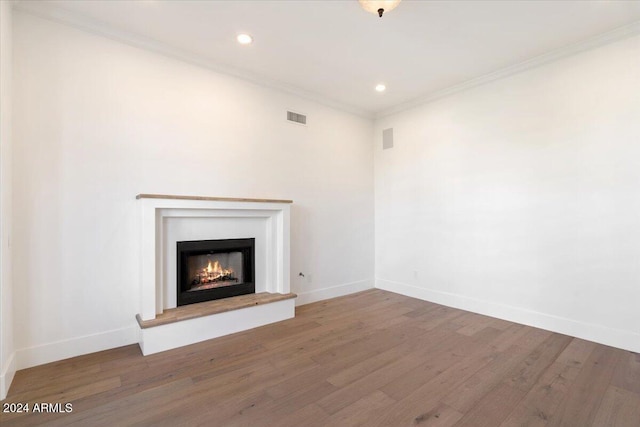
<point x="202" y="218"/>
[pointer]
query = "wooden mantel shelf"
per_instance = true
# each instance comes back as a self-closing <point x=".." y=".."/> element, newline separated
<point x="213" y="199"/>
<point x="193" y="311"/>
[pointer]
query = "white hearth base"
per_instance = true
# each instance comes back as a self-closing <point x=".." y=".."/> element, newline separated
<point x="178" y="334"/>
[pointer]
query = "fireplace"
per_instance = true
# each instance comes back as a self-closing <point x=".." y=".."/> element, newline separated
<point x="214" y="269"/>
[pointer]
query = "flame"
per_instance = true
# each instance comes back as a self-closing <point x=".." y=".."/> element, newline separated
<point x="214" y="270"/>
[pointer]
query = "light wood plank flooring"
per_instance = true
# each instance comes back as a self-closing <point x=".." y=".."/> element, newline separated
<point x="374" y="359"/>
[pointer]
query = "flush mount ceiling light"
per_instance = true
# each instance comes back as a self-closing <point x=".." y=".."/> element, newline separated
<point x="379" y="6"/>
<point x="244" y="39"/>
<point x="380" y="87"/>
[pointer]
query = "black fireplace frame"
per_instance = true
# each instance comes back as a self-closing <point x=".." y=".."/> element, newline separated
<point x="204" y="247"/>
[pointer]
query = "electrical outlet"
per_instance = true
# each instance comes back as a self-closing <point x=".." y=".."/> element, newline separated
<point x="415" y="274"/>
<point x="309" y="278"/>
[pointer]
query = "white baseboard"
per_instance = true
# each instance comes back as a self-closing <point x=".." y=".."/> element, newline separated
<point x="7" y="376"/>
<point x="333" y="292"/>
<point x="624" y="339"/>
<point x="52" y="352"/>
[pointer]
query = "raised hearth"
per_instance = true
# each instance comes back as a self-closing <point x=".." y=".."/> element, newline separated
<point x="208" y="308"/>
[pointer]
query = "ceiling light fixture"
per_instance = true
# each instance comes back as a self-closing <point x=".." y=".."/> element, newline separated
<point x="380" y="87"/>
<point x="244" y="39"/>
<point x="379" y="6"/>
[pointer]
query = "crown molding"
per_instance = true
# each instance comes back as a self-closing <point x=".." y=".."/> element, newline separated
<point x="569" y="50"/>
<point x="57" y="14"/>
<point x="60" y="15"/>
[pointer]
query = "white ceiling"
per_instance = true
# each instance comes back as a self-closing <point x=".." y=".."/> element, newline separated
<point x="335" y="51"/>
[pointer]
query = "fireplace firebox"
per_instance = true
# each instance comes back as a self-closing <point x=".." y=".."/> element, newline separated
<point x="215" y="269"/>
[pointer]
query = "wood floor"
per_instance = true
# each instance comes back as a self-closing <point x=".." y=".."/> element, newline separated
<point x="373" y="359"/>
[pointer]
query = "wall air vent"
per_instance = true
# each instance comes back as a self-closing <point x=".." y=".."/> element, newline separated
<point x="296" y="118"/>
<point x="387" y="138"/>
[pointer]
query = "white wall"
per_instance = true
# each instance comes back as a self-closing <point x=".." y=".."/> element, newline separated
<point x="7" y="365"/>
<point x="97" y="122"/>
<point x="517" y="199"/>
<point x="521" y="198"/>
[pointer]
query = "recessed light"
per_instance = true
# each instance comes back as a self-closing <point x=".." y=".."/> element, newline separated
<point x="244" y="39"/>
<point x="380" y="87"/>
